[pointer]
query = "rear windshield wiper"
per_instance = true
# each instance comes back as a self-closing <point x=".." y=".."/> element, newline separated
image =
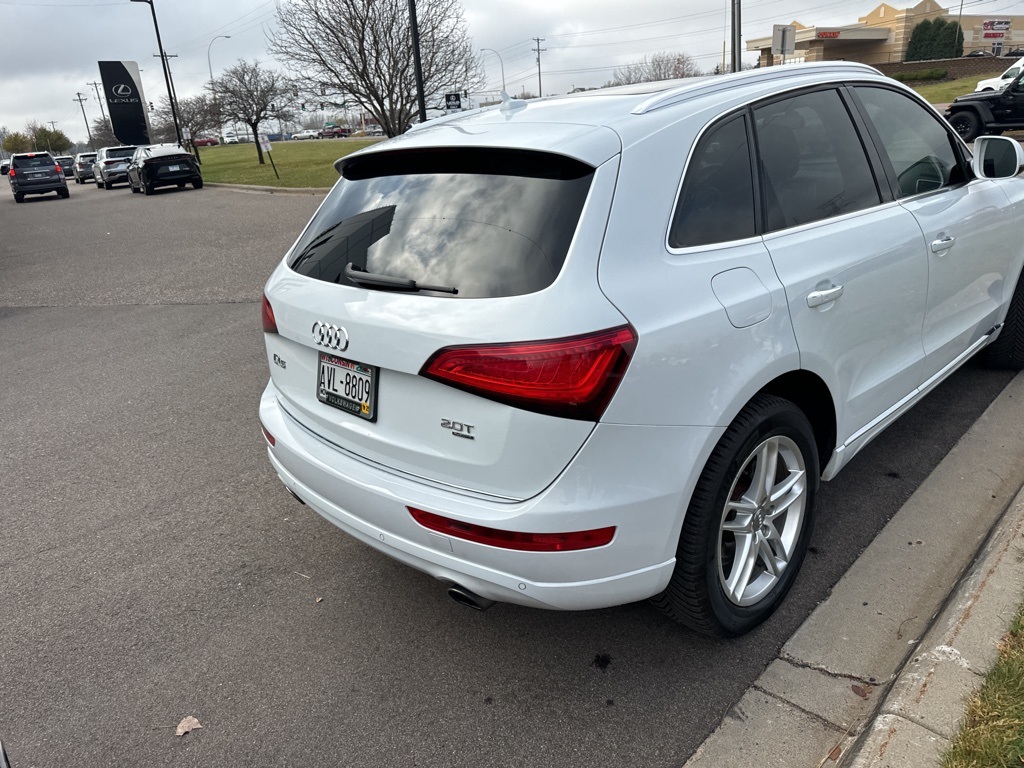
<point x="360" y="276"/>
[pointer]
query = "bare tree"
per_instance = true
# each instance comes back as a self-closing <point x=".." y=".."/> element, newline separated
<point x="361" y="51"/>
<point x="196" y="114"/>
<point x="103" y="134"/>
<point x="659" y="66"/>
<point x="251" y="94"/>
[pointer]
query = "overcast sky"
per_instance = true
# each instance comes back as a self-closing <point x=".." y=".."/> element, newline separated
<point x="50" y="47"/>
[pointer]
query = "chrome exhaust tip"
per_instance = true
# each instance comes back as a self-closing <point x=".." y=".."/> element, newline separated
<point x="463" y="596"/>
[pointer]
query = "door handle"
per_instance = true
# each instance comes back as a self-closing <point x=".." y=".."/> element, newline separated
<point x="817" y="298"/>
<point x="944" y="243"/>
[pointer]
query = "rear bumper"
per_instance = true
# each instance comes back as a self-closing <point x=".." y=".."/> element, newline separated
<point x="644" y="499"/>
<point x="54" y="185"/>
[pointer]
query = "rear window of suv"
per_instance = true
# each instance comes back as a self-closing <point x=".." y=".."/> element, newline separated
<point x="486" y="222"/>
<point x="121" y="152"/>
<point x="32" y="161"/>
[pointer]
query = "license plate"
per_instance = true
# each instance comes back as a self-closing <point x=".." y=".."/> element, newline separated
<point x="173" y="167"/>
<point x="347" y="385"/>
<point x="38" y="175"/>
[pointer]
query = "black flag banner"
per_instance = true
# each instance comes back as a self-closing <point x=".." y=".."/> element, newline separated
<point x="122" y="88"/>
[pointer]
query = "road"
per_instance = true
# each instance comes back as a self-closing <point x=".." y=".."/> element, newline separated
<point x="152" y="566"/>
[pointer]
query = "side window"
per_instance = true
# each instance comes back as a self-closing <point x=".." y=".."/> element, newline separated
<point x="918" y="146"/>
<point x="717" y="201"/>
<point x="812" y="163"/>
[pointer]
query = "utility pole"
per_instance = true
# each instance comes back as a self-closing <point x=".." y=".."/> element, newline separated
<point x="96" y="87"/>
<point x="737" y="62"/>
<point x="417" y="64"/>
<point x="53" y="124"/>
<point x="81" y="102"/>
<point x="537" y="50"/>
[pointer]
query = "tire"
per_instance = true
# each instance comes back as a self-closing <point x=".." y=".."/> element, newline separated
<point x="1007" y="351"/>
<point x="967" y="124"/>
<point x="132" y="187"/>
<point x="18" y="197"/>
<point x="197" y="184"/>
<point x="64" y="193"/>
<point x="108" y="185"/>
<point x="146" y="188"/>
<point x="710" y="591"/>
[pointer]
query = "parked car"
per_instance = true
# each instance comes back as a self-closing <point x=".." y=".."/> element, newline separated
<point x="998" y="83"/>
<point x="332" y="131"/>
<point x="765" y="270"/>
<point x="5" y="166"/>
<point x="206" y="141"/>
<point x="991" y="112"/>
<point x="81" y="168"/>
<point x="36" y="173"/>
<point x="977" y="54"/>
<point x="307" y="134"/>
<point x="162" y="165"/>
<point x="111" y="165"/>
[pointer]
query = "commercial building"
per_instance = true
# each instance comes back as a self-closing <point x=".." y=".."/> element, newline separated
<point x="882" y="36"/>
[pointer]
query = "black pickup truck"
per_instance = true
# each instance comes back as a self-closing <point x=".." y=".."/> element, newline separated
<point x="990" y="112"/>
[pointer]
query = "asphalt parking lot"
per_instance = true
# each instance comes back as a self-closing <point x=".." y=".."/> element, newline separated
<point x="152" y="566"/>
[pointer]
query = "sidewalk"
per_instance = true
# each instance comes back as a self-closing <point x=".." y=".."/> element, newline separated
<point x="877" y="676"/>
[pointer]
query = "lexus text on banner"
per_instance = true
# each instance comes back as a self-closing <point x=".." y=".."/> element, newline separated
<point x="122" y="88"/>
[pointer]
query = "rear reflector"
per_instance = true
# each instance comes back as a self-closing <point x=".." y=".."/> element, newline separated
<point x="524" y="542"/>
<point x="573" y="377"/>
<point x="266" y="434"/>
<point x="269" y="322"/>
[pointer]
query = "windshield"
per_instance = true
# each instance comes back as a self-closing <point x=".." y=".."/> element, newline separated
<point x="487" y="222"/>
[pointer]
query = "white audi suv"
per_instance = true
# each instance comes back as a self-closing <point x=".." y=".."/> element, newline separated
<point x="586" y="350"/>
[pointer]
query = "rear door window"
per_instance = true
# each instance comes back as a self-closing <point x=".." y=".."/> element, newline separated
<point x="487" y="222"/>
<point x="813" y="165"/>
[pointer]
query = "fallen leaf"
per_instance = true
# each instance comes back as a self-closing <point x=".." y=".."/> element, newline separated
<point x="186" y="725"/>
<point x="862" y="690"/>
<point x="836" y="753"/>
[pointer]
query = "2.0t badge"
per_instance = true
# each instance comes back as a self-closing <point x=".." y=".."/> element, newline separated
<point x="330" y="336"/>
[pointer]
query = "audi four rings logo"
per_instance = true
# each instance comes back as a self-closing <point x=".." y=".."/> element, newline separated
<point x="121" y="90"/>
<point x="330" y="336"/>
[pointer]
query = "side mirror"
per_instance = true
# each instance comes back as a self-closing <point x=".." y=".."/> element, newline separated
<point x="997" y="157"/>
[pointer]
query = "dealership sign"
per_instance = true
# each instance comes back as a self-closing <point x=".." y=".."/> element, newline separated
<point x="122" y="89"/>
<point x="995" y="25"/>
<point x="827" y="34"/>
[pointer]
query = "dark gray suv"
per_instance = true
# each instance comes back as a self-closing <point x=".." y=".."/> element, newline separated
<point x="36" y="173"/>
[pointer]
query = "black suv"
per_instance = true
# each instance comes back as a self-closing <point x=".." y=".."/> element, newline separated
<point x="36" y="173"/>
<point x="988" y="111"/>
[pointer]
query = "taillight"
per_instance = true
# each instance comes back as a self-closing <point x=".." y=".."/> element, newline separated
<point x="269" y="322"/>
<point x="573" y="378"/>
<point x="524" y="542"/>
<point x="58" y="169"/>
<point x="11" y="173"/>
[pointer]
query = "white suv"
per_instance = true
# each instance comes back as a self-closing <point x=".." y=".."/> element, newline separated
<point x="586" y="350"/>
<point x="998" y="83"/>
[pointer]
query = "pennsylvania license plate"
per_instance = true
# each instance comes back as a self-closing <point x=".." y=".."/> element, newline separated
<point x="347" y="385"/>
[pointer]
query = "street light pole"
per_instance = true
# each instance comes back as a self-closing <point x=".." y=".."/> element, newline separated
<point x="216" y="103"/>
<point x="163" y="60"/>
<point x="501" y="62"/>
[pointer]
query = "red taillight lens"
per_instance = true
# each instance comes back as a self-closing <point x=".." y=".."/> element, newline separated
<point x="59" y="169"/>
<point x="574" y="377"/>
<point x="524" y="542"/>
<point x="269" y="322"/>
<point x="268" y="436"/>
<point x="11" y="172"/>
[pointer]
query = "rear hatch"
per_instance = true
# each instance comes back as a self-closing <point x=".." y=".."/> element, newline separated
<point x="35" y="170"/>
<point x="440" y="316"/>
<point x="116" y="160"/>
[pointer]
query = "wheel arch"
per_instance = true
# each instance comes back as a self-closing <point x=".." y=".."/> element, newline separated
<point x="811" y="395"/>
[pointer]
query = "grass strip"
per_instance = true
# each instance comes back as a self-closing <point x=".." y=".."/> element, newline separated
<point x="992" y="735"/>
<point x="299" y="163"/>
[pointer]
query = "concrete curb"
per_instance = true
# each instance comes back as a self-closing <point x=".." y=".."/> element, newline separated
<point x="272" y="190"/>
<point x="856" y="681"/>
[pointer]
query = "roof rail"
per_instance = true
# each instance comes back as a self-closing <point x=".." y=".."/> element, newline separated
<point x="685" y="92"/>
